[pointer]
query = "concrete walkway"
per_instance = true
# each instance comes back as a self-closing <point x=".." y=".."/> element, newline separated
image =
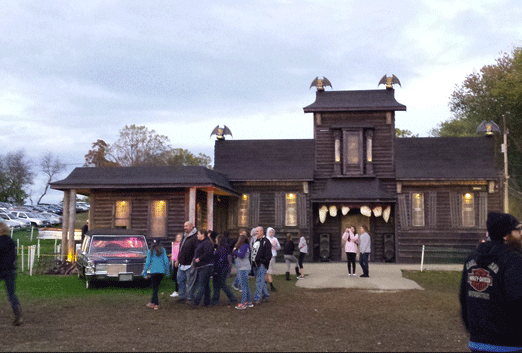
<point x="383" y="277"/>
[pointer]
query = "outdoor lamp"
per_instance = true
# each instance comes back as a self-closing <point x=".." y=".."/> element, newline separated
<point x="488" y="128"/>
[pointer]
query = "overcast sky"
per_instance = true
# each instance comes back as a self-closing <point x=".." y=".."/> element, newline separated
<point x="72" y="72"/>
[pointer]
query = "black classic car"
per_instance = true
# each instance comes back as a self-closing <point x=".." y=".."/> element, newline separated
<point x="111" y="254"/>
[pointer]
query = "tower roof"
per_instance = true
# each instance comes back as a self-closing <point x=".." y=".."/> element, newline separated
<point x="363" y="100"/>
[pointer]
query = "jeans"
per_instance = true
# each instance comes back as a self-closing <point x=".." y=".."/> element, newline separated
<point x="203" y="275"/>
<point x="350" y="259"/>
<point x="261" y="288"/>
<point x="156" y="280"/>
<point x="174" y="271"/>
<point x="219" y="282"/>
<point x="363" y="261"/>
<point x="290" y="259"/>
<point x="9" y="277"/>
<point x="186" y="283"/>
<point x="246" y="294"/>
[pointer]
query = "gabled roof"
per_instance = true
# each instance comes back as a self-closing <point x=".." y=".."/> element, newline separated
<point x="456" y="158"/>
<point x="353" y="190"/>
<point x="265" y="160"/>
<point x="346" y="101"/>
<point x="142" y="177"/>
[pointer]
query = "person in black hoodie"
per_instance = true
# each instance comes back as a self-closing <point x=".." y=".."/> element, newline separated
<point x="186" y="271"/>
<point x="8" y="270"/>
<point x="491" y="288"/>
<point x="261" y="256"/>
<point x="221" y="269"/>
<point x="204" y="264"/>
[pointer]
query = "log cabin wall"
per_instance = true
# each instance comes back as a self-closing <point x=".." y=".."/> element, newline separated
<point x="103" y="214"/>
<point x="443" y="226"/>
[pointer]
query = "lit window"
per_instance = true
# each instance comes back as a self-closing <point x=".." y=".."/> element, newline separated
<point x="291" y="210"/>
<point x="243" y="210"/>
<point x="468" y="210"/>
<point x="122" y="214"/>
<point x="417" y="208"/>
<point x="353" y="152"/>
<point x="158" y="218"/>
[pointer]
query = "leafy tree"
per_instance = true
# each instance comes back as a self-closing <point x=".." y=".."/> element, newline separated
<point x="404" y="133"/>
<point x="139" y="146"/>
<point x="50" y="166"/>
<point x="493" y="93"/>
<point x="15" y="177"/>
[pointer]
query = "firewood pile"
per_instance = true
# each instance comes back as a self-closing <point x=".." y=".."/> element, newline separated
<point x="62" y="268"/>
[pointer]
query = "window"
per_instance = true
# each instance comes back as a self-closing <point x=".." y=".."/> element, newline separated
<point x="243" y="210"/>
<point x="417" y="209"/>
<point x="290" y="210"/>
<point x="468" y="210"/>
<point x="158" y="218"/>
<point x="122" y="214"/>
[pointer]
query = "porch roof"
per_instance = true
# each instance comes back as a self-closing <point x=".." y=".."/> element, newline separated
<point x="362" y="100"/>
<point x="143" y="178"/>
<point x="353" y="190"/>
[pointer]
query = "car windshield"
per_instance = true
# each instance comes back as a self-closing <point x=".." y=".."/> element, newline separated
<point x="118" y="244"/>
<point x="31" y="215"/>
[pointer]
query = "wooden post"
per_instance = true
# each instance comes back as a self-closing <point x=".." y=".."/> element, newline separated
<point x="192" y="205"/>
<point x="210" y="209"/>
<point x="65" y="224"/>
<point x="72" y="215"/>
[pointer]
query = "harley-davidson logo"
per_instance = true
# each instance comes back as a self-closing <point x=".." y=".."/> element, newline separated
<point x="480" y="279"/>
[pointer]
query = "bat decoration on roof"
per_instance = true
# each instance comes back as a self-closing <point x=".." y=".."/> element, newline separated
<point x="321" y="84"/>
<point x="389" y="81"/>
<point x="220" y="132"/>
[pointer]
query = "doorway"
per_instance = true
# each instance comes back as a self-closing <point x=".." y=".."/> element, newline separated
<point x="353" y="218"/>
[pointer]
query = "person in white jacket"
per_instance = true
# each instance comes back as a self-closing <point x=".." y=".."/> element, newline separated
<point x="270" y="232"/>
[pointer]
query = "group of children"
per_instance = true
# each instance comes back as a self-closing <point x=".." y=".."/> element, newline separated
<point x="213" y="257"/>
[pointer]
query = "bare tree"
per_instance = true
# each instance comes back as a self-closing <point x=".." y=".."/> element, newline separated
<point x="15" y="176"/>
<point x="50" y="166"/>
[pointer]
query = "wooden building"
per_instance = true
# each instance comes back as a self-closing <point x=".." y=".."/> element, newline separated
<point x="408" y="191"/>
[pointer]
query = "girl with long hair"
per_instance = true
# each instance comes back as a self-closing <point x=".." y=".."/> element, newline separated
<point x="242" y="252"/>
<point x="158" y="263"/>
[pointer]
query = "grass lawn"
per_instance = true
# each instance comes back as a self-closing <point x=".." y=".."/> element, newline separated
<point x="61" y="315"/>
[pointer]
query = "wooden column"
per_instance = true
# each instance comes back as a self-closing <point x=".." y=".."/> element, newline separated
<point x="72" y="215"/>
<point x="192" y="206"/>
<point x="65" y="224"/>
<point x="210" y="210"/>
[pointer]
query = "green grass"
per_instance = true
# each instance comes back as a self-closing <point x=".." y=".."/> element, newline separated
<point x="437" y="281"/>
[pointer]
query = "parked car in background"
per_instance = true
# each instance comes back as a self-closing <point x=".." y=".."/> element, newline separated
<point x="10" y="224"/>
<point x="33" y="218"/>
<point x="111" y="254"/>
<point x="52" y="218"/>
<point x="24" y="223"/>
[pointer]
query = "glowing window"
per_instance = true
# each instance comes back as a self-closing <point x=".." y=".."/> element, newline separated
<point x="122" y="214"/>
<point x="244" y="208"/>
<point x="158" y="218"/>
<point x="291" y="210"/>
<point x="417" y="209"/>
<point x="468" y="210"/>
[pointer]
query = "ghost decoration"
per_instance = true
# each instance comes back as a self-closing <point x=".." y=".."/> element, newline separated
<point x="322" y="213"/>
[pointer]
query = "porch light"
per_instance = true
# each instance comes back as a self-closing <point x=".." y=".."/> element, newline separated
<point x="333" y="211"/>
<point x="345" y="210"/>
<point x="366" y="211"/>
<point x="322" y="213"/>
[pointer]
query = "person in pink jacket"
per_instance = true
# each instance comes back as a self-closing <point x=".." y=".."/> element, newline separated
<point x="173" y="259"/>
<point x="350" y="248"/>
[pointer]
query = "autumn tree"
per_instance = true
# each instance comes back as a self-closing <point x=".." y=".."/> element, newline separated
<point x="139" y="146"/>
<point x="51" y="166"/>
<point x="15" y="177"/>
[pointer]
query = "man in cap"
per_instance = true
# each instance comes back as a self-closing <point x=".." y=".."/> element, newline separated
<point x="491" y="288"/>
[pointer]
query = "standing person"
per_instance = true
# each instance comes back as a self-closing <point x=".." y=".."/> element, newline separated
<point x="173" y="259"/>
<point x="270" y="232"/>
<point x="290" y="257"/>
<point x="158" y="263"/>
<point x="186" y="272"/>
<point x="350" y="248"/>
<point x="261" y="256"/>
<point x="242" y="252"/>
<point x="303" y="251"/>
<point x="204" y="265"/>
<point x="364" y="250"/>
<point x="8" y="271"/>
<point x="221" y="269"/>
<point x="85" y="229"/>
<point x="491" y="288"/>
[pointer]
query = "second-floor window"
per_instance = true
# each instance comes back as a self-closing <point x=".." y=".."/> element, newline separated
<point x="353" y="152"/>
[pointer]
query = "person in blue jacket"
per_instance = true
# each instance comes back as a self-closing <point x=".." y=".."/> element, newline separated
<point x="158" y="263"/>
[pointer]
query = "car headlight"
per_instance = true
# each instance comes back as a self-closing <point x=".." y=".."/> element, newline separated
<point x="89" y="270"/>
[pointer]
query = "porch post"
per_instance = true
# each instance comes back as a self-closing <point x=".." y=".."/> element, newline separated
<point x="210" y="210"/>
<point x="72" y="215"/>
<point x="65" y="224"/>
<point x="192" y="205"/>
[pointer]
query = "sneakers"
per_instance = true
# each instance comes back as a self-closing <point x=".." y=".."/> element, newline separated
<point x="237" y="288"/>
<point x="150" y="305"/>
<point x="250" y="305"/>
<point x="156" y="307"/>
<point x="174" y="295"/>
<point x="300" y="277"/>
<point x="241" y="306"/>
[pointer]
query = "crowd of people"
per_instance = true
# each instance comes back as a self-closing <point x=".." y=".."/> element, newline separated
<point x="198" y="256"/>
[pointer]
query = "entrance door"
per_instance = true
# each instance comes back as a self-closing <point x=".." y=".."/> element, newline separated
<point x="353" y="218"/>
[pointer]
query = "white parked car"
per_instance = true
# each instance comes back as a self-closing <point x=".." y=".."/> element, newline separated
<point x="51" y="217"/>
<point x="31" y="217"/>
<point x="24" y="223"/>
<point x="10" y="224"/>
